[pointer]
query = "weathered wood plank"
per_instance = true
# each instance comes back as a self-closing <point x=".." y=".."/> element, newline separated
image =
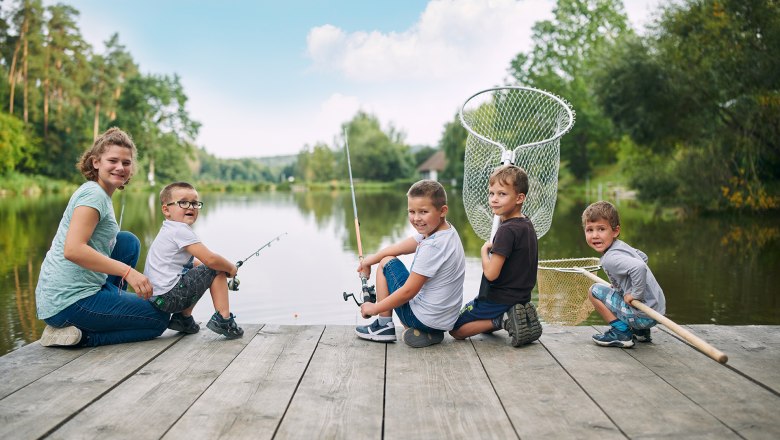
<point x="744" y="406"/>
<point x="639" y="402"/>
<point x="31" y="362"/>
<point x="159" y="393"/>
<point x="340" y="395"/>
<point x="541" y="399"/>
<point x="754" y="350"/>
<point x="250" y="397"/>
<point x="441" y="391"/>
<point x="44" y="404"/>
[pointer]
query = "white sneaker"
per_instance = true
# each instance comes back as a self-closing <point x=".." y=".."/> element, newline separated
<point x="60" y="336"/>
<point x="376" y="331"/>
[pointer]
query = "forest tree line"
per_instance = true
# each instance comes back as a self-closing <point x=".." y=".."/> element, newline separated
<point x="688" y="110"/>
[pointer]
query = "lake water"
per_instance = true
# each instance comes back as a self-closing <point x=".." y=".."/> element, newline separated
<point x="713" y="270"/>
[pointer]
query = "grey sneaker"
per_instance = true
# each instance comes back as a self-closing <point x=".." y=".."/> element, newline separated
<point x="418" y="338"/>
<point x="642" y="335"/>
<point x="184" y="324"/>
<point x="523" y="324"/>
<point x="614" y="338"/>
<point x="60" y="336"/>
<point x="225" y="326"/>
<point x="376" y="331"/>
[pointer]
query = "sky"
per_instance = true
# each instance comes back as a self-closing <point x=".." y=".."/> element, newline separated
<point x="265" y="78"/>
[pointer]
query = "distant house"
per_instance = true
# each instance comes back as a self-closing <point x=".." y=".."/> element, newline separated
<point x="432" y="166"/>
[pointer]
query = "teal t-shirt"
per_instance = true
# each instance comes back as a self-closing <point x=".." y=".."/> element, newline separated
<point x="62" y="282"/>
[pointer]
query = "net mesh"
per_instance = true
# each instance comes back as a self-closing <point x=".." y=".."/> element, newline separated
<point x="563" y="292"/>
<point x="526" y="123"/>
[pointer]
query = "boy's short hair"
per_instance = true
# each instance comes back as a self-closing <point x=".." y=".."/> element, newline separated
<point x="112" y="136"/>
<point x="431" y="189"/>
<point x="511" y="175"/>
<point x="167" y="192"/>
<point x="601" y="211"/>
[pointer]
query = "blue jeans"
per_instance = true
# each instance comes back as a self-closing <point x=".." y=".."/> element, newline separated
<point x="396" y="274"/>
<point x="112" y="315"/>
<point x="482" y="310"/>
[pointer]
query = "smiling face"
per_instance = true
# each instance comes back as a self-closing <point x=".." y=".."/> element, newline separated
<point x="600" y="235"/>
<point x="424" y="216"/>
<point x="504" y="200"/>
<point x="114" y="167"/>
<point x="175" y="212"/>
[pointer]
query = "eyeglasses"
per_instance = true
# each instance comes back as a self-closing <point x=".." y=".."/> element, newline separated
<point x="184" y="204"/>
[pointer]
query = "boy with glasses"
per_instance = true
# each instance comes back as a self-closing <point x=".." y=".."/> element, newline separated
<point x="180" y="265"/>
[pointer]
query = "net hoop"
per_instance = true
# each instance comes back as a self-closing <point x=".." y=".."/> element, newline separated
<point x="563" y="103"/>
<point x="513" y="125"/>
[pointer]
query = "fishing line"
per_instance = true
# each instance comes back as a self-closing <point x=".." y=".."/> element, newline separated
<point x="234" y="283"/>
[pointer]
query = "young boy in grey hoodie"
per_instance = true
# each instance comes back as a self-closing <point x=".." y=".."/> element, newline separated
<point x="629" y="276"/>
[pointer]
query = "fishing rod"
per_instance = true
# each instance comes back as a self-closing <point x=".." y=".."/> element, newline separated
<point x="369" y="292"/>
<point x="233" y="284"/>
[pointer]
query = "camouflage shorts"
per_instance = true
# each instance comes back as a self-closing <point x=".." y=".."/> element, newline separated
<point x="187" y="291"/>
<point x="613" y="299"/>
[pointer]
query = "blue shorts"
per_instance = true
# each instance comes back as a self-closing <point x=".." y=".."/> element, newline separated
<point x="480" y="310"/>
<point x="397" y="274"/>
<point x="613" y="299"/>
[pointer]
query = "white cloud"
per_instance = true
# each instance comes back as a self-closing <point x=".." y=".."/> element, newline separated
<point x="417" y="78"/>
<point x="450" y="39"/>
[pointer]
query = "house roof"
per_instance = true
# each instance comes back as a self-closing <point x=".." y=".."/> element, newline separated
<point x="437" y="162"/>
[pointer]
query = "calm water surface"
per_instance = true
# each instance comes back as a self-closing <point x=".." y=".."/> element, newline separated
<point x="713" y="270"/>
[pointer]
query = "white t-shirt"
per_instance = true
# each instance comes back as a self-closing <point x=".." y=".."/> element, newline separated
<point x="168" y="256"/>
<point x="439" y="257"/>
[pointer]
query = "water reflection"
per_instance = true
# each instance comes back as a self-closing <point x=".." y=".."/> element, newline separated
<point x="713" y="270"/>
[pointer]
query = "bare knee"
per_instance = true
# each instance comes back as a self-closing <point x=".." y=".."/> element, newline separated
<point x="457" y="335"/>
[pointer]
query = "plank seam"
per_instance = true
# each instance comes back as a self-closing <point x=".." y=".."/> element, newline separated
<point x="685" y="395"/>
<point x="41" y="377"/>
<point x="298" y="384"/>
<point x="584" y="390"/>
<point x="176" y="420"/>
<point x="100" y="396"/>
<point x="730" y="367"/>
<point x="495" y="391"/>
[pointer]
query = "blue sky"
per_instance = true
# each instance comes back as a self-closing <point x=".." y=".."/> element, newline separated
<point x="267" y="77"/>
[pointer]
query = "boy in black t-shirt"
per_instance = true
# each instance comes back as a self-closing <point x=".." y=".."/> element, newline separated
<point x="509" y="267"/>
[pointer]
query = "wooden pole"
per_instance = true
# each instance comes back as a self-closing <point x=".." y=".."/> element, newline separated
<point x="689" y="337"/>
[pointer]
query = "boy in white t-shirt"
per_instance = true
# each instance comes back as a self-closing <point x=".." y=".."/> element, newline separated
<point x="182" y="267"/>
<point x="427" y="297"/>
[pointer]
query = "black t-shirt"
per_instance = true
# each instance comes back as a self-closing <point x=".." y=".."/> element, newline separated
<point x="515" y="239"/>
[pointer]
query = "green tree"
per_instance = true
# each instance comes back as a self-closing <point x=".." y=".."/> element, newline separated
<point x="565" y="54"/>
<point x="453" y="143"/>
<point x="708" y="109"/>
<point x="17" y="145"/>
<point x="376" y="155"/>
<point x="152" y="110"/>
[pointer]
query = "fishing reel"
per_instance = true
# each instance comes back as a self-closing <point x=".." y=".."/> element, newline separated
<point x="369" y="294"/>
<point x="233" y="283"/>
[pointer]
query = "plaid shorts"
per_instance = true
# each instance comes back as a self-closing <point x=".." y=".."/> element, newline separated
<point x="187" y="291"/>
<point x="613" y="299"/>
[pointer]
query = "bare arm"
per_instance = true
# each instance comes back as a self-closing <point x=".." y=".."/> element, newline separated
<point x="76" y="249"/>
<point x="403" y="247"/>
<point x="491" y="263"/>
<point x="403" y="295"/>
<point x="211" y="259"/>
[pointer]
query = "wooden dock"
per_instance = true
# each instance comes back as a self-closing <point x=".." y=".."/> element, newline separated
<point x="323" y="382"/>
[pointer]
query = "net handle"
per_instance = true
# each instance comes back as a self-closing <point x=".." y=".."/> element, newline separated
<point x="577" y="269"/>
<point x="560" y="101"/>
